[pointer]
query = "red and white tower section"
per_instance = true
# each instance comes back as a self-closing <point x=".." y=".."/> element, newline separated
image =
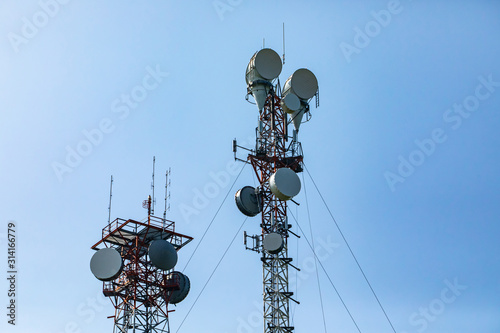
<point x="276" y="160"/>
<point x="136" y="262"/>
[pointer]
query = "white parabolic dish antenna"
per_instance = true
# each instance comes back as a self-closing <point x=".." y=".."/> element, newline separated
<point x="290" y="103"/>
<point x="273" y="243"/>
<point x="284" y="183"/>
<point x="162" y="254"/>
<point x="264" y="65"/>
<point x="184" y="287"/>
<point x="106" y="264"/>
<point x="302" y="83"/>
<point x="246" y="200"/>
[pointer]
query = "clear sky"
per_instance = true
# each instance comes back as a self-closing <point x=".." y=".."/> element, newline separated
<point x="404" y="149"/>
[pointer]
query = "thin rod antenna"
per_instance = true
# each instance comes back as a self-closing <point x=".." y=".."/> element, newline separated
<point x="263" y="43"/>
<point x="167" y="193"/>
<point x="153" y="189"/>
<point x="110" y="196"/>
<point x="283" y="43"/>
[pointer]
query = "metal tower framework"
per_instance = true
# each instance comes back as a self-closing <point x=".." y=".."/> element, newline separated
<point x="273" y="151"/>
<point x="141" y="293"/>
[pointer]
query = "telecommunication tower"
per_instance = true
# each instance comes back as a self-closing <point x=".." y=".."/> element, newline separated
<point x="136" y="260"/>
<point x="276" y="160"/>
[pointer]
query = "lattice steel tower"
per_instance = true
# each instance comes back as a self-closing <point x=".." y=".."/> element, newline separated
<point x="135" y="260"/>
<point x="276" y="160"/>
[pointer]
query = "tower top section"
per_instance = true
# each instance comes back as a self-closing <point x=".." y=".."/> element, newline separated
<point x="264" y="68"/>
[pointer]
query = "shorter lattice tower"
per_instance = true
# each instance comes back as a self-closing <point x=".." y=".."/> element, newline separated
<point x="136" y="260"/>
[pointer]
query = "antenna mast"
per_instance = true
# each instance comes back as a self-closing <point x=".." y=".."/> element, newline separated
<point x="110" y="196"/>
<point x="283" y="43"/>
<point x="153" y="189"/>
<point x="167" y="193"/>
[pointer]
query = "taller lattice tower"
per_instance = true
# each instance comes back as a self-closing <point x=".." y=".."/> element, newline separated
<point x="276" y="160"/>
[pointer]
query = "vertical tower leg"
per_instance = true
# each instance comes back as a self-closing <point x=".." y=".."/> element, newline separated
<point x="272" y="155"/>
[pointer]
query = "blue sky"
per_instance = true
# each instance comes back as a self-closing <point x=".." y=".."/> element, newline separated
<point x="404" y="149"/>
